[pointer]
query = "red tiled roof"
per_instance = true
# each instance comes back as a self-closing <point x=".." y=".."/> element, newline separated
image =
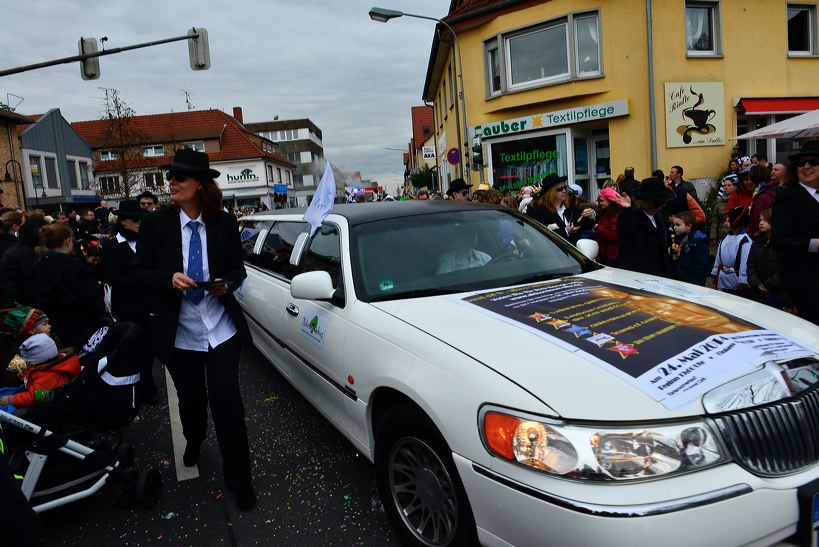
<point x="236" y="142"/>
<point x="421" y="119"/>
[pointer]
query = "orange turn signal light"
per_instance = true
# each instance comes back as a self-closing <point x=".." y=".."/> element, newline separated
<point x="499" y="430"/>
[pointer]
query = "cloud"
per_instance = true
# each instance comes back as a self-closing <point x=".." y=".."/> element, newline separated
<point x="322" y="59"/>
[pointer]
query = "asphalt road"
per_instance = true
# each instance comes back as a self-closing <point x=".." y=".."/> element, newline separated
<point x="313" y="487"/>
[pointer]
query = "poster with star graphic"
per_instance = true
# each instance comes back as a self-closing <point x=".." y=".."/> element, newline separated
<point x="672" y="349"/>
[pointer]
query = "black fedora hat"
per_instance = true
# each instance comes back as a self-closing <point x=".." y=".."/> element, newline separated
<point x="456" y="186"/>
<point x="191" y="162"/>
<point x="809" y="148"/>
<point x="550" y="180"/>
<point x="129" y="208"/>
<point x="654" y="190"/>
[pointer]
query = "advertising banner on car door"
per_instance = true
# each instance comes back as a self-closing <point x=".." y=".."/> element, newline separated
<point x="671" y="349"/>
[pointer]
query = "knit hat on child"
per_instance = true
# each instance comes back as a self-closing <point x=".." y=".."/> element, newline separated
<point x="38" y="349"/>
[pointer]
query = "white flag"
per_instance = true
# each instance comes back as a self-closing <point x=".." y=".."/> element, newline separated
<point x="323" y="200"/>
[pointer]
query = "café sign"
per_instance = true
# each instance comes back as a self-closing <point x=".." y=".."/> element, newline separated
<point x="694" y="114"/>
<point x="553" y="119"/>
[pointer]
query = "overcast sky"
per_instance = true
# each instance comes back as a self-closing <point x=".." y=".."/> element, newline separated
<point x="322" y="59"/>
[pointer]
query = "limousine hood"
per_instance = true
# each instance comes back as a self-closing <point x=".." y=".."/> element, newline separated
<point x="603" y="345"/>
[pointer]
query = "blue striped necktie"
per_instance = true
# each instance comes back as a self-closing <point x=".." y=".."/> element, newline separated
<point x="195" y="263"/>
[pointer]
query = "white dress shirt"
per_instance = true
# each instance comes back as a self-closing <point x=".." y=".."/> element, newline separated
<point x="813" y="246"/>
<point x="206" y="323"/>
<point x="131" y="244"/>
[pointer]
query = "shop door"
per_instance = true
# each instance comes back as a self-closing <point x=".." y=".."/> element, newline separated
<point x="600" y="160"/>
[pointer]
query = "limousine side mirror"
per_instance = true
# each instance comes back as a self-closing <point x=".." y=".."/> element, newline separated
<point x="312" y="286"/>
<point x="588" y="247"/>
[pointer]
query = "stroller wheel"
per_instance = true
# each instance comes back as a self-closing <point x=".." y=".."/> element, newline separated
<point x="125" y="456"/>
<point x="125" y="488"/>
<point x="148" y="488"/>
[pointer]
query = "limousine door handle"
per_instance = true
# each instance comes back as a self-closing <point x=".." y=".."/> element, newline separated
<point x="292" y="309"/>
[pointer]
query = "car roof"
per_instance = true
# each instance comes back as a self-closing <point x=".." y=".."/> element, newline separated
<point x="361" y="213"/>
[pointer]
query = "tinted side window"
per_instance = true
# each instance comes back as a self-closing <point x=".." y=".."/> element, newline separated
<point x="275" y="253"/>
<point x="324" y="254"/>
<point x="248" y="234"/>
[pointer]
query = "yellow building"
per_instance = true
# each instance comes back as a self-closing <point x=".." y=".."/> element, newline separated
<point x="587" y="88"/>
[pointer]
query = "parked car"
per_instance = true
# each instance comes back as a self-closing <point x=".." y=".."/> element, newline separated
<point x="510" y="390"/>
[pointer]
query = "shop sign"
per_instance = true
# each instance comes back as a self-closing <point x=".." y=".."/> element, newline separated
<point x="280" y="188"/>
<point x="242" y="173"/>
<point x="553" y="119"/>
<point x="429" y="153"/>
<point x="694" y="114"/>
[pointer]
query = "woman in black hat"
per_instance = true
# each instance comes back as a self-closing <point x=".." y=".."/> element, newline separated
<point x="642" y="229"/>
<point x="128" y="301"/>
<point x="198" y="333"/>
<point x="795" y="232"/>
<point x="548" y="207"/>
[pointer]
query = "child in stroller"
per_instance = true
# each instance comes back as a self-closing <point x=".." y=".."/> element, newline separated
<point x="74" y="428"/>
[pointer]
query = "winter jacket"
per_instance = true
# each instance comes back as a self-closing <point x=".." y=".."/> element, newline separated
<point x="694" y="260"/>
<point x="717" y="229"/>
<point x="644" y="247"/>
<point x="548" y="218"/>
<point x="41" y="380"/>
<point x="17" y="275"/>
<point x="6" y="242"/>
<point x="763" y="268"/>
<point x="695" y="209"/>
<point x="764" y="199"/>
<point x="66" y="290"/>
<point x="740" y="198"/>
<point x="608" y="240"/>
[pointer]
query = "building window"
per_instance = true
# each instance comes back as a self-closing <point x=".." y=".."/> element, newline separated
<point x="153" y="180"/>
<point x="287" y="178"/>
<point x="153" y="151"/>
<point x="107" y="155"/>
<point x="110" y="184"/>
<point x="84" y="179"/>
<point x="702" y="28"/>
<point x="279" y="175"/>
<point x="72" y="175"/>
<point x="199" y="146"/>
<point x="270" y="173"/>
<point x="556" y="51"/>
<point x="51" y="173"/>
<point x="801" y="29"/>
<point x="452" y="85"/>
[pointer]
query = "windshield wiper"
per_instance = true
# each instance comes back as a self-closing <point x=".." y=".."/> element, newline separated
<point x="416" y="293"/>
<point x="543" y="277"/>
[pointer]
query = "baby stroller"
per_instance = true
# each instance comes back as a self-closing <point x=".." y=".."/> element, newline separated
<point x="76" y="432"/>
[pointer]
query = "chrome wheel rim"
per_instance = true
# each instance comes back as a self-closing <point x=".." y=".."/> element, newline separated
<point x="423" y="492"/>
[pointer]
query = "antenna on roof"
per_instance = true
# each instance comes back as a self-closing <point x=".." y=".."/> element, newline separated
<point x="8" y="101"/>
<point x="187" y="99"/>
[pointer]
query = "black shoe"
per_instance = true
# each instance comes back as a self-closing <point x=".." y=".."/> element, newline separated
<point x="246" y="499"/>
<point x="191" y="455"/>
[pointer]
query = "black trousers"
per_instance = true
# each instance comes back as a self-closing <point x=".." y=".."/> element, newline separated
<point x="212" y="376"/>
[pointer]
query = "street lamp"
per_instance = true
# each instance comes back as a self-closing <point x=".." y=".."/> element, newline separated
<point x="10" y="178"/>
<point x="382" y="15"/>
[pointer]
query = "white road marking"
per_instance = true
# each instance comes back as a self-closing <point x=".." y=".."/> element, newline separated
<point x="182" y="473"/>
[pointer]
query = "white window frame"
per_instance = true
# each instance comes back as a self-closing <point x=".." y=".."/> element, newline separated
<point x="199" y="146"/>
<point x="159" y="181"/>
<point x="501" y="43"/>
<point x="79" y="163"/>
<point x="716" y="31"/>
<point x="278" y="175"/>
<point x="108" y="155"/>
<point x="49" y="190"/>
<point x="115" y="179"/>
<point x="153" y="151"/>
<point x="812" y="30"/>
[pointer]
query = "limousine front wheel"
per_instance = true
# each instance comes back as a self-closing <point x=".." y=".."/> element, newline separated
<point x="419" y="486"/>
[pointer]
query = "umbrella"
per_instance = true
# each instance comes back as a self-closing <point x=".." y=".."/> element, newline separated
<point x="799" y="127"/>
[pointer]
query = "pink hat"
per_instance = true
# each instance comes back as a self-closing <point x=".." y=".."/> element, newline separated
<point x="609" y="194"/>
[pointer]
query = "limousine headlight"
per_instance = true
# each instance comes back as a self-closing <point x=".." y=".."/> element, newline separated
<point x="601" y="453"/>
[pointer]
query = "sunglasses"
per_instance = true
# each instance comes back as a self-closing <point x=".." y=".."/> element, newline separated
<point x="464" y="192"/>
<point x="180" y="177"/>
<point x="561" y="189"/>
<point x="801" y="162"/>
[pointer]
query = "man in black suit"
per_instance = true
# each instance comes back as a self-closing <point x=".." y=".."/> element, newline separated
<point x="198" y="333"/>
<point x="795" y="231"/>
<point x="129" y="302"/>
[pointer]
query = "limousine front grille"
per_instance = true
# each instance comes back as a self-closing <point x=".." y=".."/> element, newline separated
<point x="776" y="439"/>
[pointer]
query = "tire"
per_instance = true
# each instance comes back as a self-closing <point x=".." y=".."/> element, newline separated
<point x="148" y="488"/>
<point x="125" y="456"/>
<point x="124" y="485"/>
<point x="419" y="485"/>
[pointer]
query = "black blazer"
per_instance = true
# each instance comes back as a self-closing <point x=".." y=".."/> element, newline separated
<point x="159" y="256"/>
<point x="126" y="297"/>
<point x="546" y="217"/>
<point x="795" y="223"/>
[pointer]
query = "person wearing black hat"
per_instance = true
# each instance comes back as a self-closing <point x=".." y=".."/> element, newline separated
<point x="128" y="301"/>
<point x="458" y="190"/>
<point x="148" y="201"/>
<point x="795" y="231"/>
<point x="550" y="204"/>
<point x="642" y="229"/>
<point x="198" y="333"/>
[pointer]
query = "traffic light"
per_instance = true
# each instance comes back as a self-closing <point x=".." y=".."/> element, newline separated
<point x="477" y="151"/>
<point x="89" y="68"/>
<point x="198" y="50"/>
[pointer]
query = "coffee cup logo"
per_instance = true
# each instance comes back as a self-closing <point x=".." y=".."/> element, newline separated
<point x="699" y="119"/>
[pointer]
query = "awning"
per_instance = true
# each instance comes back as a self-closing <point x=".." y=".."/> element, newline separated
<point x="778" y="105"/>
<point x="799" y="127"/>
